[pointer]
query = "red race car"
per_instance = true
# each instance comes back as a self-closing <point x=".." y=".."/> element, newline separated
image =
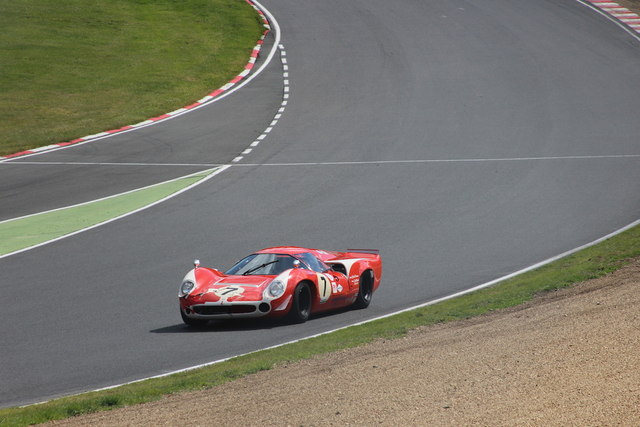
<point x="281" y="281"/>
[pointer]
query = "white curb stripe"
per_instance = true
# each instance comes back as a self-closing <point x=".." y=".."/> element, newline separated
<point x="146" y="122"/>
<point x="48" y="147"/>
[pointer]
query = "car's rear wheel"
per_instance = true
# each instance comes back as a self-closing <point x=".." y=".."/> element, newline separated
<point x="301" y="305"/>
<point x="198" y="323"/>
<point x="365" y="294"/>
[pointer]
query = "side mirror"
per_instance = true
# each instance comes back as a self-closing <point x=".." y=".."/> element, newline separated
<point x="296" y="264"/>
<point x="196" y="263"/>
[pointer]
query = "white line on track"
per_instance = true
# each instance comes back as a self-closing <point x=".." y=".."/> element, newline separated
<point x="343" y="163"/>
<point x="423" y="161"/>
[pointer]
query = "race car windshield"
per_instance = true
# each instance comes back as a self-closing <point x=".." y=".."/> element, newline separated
<point x="313" y="262"/>
<point x="262" y="264"/>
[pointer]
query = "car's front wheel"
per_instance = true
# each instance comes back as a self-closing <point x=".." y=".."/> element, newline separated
<point x="193" y="322"/>
<point x="301" y="305"/>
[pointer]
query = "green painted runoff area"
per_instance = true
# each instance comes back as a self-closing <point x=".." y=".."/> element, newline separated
<point x="28" y="231"/>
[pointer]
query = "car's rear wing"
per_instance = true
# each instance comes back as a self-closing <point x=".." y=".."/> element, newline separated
<point x="365" y="251"/>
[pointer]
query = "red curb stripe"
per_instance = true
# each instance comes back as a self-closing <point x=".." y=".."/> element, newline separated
<point x="22" y="153"/>
<point x="164" y="116"/>
<point x="120" y="130"/>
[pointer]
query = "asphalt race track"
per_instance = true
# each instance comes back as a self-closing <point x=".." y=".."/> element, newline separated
<point x="465" y="140"/>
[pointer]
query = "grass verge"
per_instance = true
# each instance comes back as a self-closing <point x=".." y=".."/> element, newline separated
<point x="74" y="68"/>
<point x="590" y="263"/>
<point x="28" y="231"/>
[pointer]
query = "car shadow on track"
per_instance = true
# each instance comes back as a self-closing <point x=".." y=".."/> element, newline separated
<point x="223" y="326"/>
<point x="234" y="325"/>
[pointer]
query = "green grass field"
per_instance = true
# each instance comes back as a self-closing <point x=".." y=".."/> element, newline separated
<point x="74" y="68"/>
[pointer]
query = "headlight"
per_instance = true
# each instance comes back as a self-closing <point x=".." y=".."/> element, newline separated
<point x="276" y="289"/>
<point x="186" y="287"/>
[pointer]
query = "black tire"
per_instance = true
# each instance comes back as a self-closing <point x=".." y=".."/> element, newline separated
<point x="365" y="294"/>
<point x="301" y="305"/>
<point x="196" y="323"/>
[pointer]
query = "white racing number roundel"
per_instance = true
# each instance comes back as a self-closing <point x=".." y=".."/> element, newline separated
<point x="324" y="287"/>
<point x="228" y="292"/>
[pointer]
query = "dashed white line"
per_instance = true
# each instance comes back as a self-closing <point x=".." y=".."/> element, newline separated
<point x="278" y="116"/>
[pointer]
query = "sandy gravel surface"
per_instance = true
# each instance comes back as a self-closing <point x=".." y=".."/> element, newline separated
<point x="571" y="357"/>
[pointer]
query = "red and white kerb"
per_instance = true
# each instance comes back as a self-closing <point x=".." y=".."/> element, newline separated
<point x="621" y="13"/>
